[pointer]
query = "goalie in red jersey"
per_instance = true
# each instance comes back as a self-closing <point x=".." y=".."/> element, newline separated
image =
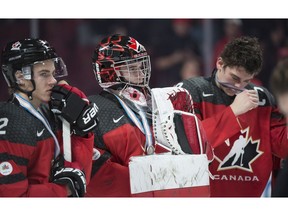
<point x="132" y="128"/>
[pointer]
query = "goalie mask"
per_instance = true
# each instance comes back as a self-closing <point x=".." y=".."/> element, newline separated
<point x="121" y="60"/>
<point x="23" y="55"/>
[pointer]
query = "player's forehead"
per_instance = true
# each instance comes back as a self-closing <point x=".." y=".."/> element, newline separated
<point x="43" y="65"/>
<point x="239" y="72"/>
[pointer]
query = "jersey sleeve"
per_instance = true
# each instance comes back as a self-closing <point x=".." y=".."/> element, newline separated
<point x="215" y="124"/>
<point x="124" y="142"/>
<point x="108" y="178"/>
<point x="21" y="176"/>
<point x="26" y="152"/>
<point x="223" y="121"/>
<point x="82" y="152"/>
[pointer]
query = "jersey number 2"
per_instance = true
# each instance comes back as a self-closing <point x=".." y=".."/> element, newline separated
<point x="3" y="123"/>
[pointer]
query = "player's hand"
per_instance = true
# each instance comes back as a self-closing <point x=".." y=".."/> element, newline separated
<point x="73" y="105"/>
<point x="245" y="101"/>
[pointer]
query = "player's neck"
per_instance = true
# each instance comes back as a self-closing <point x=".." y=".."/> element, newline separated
<point x="34" y="102"/>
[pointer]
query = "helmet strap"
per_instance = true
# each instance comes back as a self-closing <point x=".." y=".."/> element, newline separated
<point x="28" y="93"/>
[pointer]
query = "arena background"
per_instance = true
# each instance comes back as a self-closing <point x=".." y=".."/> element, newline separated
<point x="194" y="40"/>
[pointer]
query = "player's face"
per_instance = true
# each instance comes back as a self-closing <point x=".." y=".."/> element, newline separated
<point x="132" y="72"/>
<point x="44" y="80"/>
<point x="232" y="80"/>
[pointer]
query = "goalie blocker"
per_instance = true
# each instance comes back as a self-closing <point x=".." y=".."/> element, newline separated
<point x="175" y="124"/>
<point x="176" y="128"/>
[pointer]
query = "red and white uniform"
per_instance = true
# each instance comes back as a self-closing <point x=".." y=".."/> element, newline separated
<point x="243" y="145"/>
<point x="118" y="139"/>
<point x="27" y="150"/>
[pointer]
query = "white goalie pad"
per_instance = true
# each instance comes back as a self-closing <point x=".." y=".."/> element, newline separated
<point x="162" y="118"/>
<point x="163" y="172"/>
<point x="163" y="113"/>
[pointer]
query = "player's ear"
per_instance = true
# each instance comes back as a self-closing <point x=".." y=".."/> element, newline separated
<point x="19" y="78"/>
<point x="219" y="63"/>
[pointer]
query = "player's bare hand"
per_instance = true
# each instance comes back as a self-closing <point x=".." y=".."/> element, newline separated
<point x="245" y="101"/>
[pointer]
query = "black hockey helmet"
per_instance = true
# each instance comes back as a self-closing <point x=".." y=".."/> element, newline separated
<point x="17" y="55"/>
<point x="117" y="58"/>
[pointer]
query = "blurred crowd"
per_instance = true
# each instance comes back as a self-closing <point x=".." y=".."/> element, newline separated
<point x="175" y="45"/>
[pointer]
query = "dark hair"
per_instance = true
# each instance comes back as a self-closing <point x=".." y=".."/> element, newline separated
<point x="243" y="52"/>
<point x="279" y="78"/>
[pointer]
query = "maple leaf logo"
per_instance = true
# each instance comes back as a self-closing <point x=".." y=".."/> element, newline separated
<point x="242" y="154"/>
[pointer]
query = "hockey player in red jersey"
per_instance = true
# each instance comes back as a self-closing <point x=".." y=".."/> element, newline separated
<point x="31" y="161"/>
<point x="122" y="68"/>
<point x="241" y="121"/>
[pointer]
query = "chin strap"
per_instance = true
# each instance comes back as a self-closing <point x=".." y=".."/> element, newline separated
<point x="28" y="93"/>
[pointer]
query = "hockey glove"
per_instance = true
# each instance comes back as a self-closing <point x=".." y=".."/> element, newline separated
<point x="71" y="176"/>
<point x="174" y="123"/>
<point x="73" y="105"/>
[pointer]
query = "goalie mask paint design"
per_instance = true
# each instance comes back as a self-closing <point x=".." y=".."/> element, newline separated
<point x="121" y="60"/>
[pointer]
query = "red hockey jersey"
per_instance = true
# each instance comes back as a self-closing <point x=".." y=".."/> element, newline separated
<point x="243" y="145"/>
<point x="27" y="150"/>
<point x="118" y="139"/>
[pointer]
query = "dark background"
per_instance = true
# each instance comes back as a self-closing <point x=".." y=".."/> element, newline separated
<point x="75" y="39"/>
